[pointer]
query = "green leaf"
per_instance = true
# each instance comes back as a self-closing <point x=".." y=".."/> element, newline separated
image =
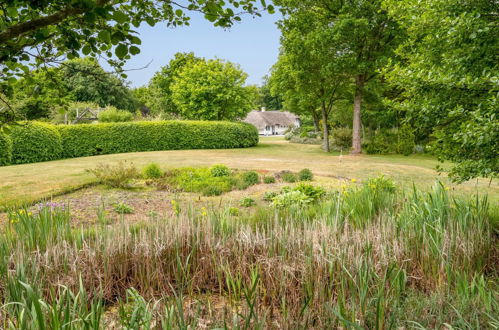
<point x="105" y="36"/>
<point x="134" y="50"/>
<point x="121" y="51"/>
<point x="120" y="17"/>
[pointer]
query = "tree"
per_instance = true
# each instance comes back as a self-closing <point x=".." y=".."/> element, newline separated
<point x="266" y="99"/>
<point x="312" y="62"/>
<point x="448" y="76"/>
<point x="161" y="83"/>
<point x="79" y="80"/>
<point x="38" y="33"/>
<point x="211" y="90"/>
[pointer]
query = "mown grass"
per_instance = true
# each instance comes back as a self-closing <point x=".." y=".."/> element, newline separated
<point x="367" y="256"/>
<point x="32" y="182"/>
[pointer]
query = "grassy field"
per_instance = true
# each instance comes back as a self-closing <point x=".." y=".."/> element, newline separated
<point x="341" y="248"/>
<point x="32" y="182"/>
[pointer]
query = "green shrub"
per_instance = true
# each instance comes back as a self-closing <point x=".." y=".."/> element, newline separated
<point x="251" y="178"/>
<point x="35" y="142"/>
<point x="5" y="149"/>
<point x="405" y="142"/>
<point x="247" y="202"/>
<point x="220" y="170"/>
<point x="383" y="142"/>
<point x="291" y="199"/>
<point x="381" y="183"/>
<point x="289" y="177"/>
<point x="269" y="179"/>
<point x="117" y="176"/>
<point x="214" y="189"/>
<point x="109" y="138"/>
<point x="305" y="175"/>
<point x="234" y="211"/>
<point x="269" y="196"/>
<point x="123" y="208"/>
<point x="341" y="139"/>
<point x="314" y="192"/>
<point x="201" y="180"/>
<point x="152" y="171"/>
<point x="113" y="115"/>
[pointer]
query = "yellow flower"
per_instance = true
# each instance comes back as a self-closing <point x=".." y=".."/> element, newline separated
<point x="354" y="180"/>
<point x="204" y="212"/>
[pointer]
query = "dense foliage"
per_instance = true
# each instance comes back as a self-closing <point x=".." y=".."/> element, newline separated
<point x="47" y="93"/>
<point x="5" y="149"/>
<point x="448" y="78"/>
<point x="113" y="115"/>
<point x="59" y="29"/>
<point x="35" y="142"/>
<point x="109" y="138"/>
<point x="211" y="90"/>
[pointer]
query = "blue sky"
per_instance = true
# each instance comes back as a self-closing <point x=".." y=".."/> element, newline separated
<point x="253" y="43"/>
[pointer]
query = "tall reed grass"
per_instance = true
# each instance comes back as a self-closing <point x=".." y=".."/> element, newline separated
<point x="369" y="257"/>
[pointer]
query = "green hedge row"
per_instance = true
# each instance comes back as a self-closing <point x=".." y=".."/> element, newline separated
<point x="35" y="142"/>
<point x="5" y="150"/>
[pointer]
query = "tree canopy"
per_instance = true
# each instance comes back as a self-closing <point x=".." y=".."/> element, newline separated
<point x="211" y="90"/>
<point x="38" y="33"/>
<point x="448" y="75"/>
<point x="42" y="92"/>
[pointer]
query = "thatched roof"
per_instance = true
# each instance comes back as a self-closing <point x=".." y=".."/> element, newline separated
<point x="260" y="119"/>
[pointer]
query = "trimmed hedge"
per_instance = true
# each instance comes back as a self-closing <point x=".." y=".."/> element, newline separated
<point x="5" y="150"/>
<point x="35" y="142"/>
<point x="110" y="138"/>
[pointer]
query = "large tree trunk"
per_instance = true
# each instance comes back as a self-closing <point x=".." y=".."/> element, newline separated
<point x="315" y="118"/>
<point x="357" y="103"/>
<point x="325" y="127"/>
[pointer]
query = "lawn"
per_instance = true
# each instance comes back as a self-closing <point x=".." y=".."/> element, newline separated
<point x="342" y="248"/>
<point x="32" y="182"/>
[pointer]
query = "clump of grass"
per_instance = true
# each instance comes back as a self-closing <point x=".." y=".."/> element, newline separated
<point x="251" y="178"/>
<point x="123" y="208"/>
<point x="305" y="175"/>
<point x="220" y="170"/>
<point x="269" y="179"/>
<point x="152" y="171"/>
<point x="247" y="202"/>
<point x="116" y="176"/>
<point x="289" y="177"/>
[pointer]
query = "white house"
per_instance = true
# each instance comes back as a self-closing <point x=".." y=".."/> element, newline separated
<point x="272" y="122"/>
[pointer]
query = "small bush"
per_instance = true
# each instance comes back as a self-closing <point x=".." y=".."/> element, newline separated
<point x="152" y="171"/>
<point x="341" y="139"/>
<point x="381" y="183"/>
<point x="405" y="143"/>
<point x="269" y="196"/>
<point x="383" y="142"/>
<point x="234" y="211"/>
<point x="113" y="115"/>
<point x="117" y="176"/>
<point x="314" y="192"/>
<point x="247" y="202"/>
<point x="289" y="177"/>
<point x="220" y="170"/>
<point x="35" y="142"/>
<point x="214" y="190"/>
<point x="251" y="178"/>
<point x="5" y="149"/>
<point x="268" y="179"/>
<point x="291" y="198"/>
<point x="305" y="175"/>
<point x="123" y="208"/>
<point x="241" y="184"/>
